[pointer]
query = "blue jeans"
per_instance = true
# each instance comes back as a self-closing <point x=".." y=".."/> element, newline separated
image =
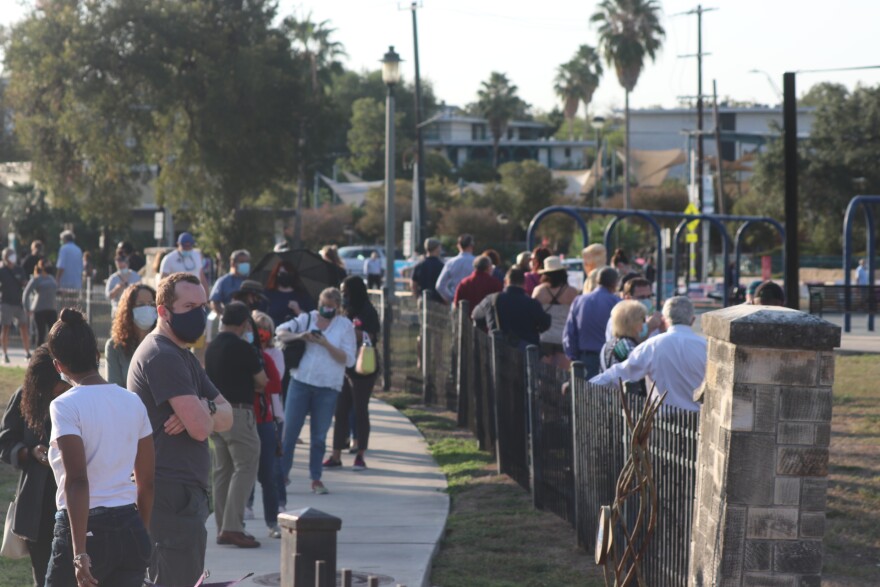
<point x="117" y="544"/>
<point x="280" y="485"/>
<point x="266" y="472"/>
<point x="318" y="402"/>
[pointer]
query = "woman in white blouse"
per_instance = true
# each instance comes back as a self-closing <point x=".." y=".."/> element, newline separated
<point x="316" y="383"/>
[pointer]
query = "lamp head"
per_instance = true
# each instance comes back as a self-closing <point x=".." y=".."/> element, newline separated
<point x="391" y="67"/>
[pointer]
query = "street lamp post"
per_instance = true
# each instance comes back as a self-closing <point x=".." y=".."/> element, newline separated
<point x="597" y="123"/>
<point x="390" y="75"/>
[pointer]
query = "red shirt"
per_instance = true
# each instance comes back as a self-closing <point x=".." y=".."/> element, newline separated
<point x="262" y="401"/>
<point x="475" y="287"/>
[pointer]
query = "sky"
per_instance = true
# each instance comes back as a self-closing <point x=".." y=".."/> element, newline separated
<point x="462" y="41"/>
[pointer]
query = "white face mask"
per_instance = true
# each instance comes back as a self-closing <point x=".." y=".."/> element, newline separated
<point x="145" y="317"/>
<point x="12" y="258"/>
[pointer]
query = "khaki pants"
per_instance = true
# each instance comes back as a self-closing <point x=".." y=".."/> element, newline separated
<point x="236" y="461"/>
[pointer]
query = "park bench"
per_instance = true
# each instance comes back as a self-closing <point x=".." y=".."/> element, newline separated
<point x="832" y="298"/>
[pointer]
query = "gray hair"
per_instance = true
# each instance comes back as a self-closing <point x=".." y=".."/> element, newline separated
<point x="67" y="235"/>
<point x="482" y="263"/>
<point x="679" y="310"/>
<point x="6" y="252"/>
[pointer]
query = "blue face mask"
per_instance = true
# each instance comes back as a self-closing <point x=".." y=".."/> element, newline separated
<point x="243" y="268"/>
<point x="649" y="305"/>
<point x="643" y="333"/>
<point x="189" y="326"/>
<point x="248" y="337"/>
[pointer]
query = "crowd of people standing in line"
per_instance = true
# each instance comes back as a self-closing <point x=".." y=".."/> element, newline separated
<point x="280" y="356"/>
<point x="239" y="396"/>
<point x="611" y="325"/>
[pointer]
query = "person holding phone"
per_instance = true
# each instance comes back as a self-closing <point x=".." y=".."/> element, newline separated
<point x="316" y="383"/>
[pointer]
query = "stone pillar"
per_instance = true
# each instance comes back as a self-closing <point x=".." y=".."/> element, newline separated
<point x="762" y="461"/>
<point x="308" y="536"/>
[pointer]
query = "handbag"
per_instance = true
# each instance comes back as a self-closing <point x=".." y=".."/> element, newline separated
<point x="366" y="360"/>
<point x="14" y="546"/>
<point x="295" y="349"/>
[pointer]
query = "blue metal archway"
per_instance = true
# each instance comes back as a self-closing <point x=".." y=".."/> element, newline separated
<point x="851" y="209"/>
<point x="650" y="217"/>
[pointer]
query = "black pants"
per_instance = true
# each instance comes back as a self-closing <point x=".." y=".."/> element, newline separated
<point x="41" y="550"/>
<point x="44" y="319"/>
<point x="356" y="391"/>
<point x="374" y="281"/>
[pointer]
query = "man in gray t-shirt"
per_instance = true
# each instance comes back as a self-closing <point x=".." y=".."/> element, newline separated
<point x="184" y="408"/>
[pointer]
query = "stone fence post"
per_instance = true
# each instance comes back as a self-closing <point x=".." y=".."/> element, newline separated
<point x="308" y="536"/>
<point x="762" y="461"/>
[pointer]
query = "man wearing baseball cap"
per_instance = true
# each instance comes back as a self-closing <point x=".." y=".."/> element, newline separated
<point x="185" y="259"/>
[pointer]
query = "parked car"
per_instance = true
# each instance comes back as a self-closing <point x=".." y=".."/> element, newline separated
<point x="354" y="257"/>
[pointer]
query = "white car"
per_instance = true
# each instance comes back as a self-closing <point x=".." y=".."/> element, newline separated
<point x="354" y="257"/>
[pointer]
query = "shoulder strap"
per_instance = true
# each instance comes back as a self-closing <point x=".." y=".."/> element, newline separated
<point x="554" y="298"/>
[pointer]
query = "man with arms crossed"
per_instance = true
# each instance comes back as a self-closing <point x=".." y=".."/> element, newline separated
<point x="184" y="409"/>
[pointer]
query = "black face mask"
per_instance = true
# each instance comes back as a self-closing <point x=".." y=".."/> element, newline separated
<point x="189" y="326"/>
<point x="284" y="280"/>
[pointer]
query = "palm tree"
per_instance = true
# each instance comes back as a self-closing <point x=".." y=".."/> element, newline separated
<point x="498" y="103"/>
<point x="311" y="41"/>
<point x="576" y="81"/>
<point x="629" y="30"/>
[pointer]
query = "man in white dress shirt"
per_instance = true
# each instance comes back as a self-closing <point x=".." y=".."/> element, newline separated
<point x="675" y="360"/>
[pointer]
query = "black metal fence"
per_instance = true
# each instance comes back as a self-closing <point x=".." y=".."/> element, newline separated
<point x="556" y="435"/>
<point x="406" y="370"/>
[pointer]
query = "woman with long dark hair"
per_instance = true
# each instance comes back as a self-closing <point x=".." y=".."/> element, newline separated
<point x="100" y="434"/>
<point x="24" y="444"/>
<point x="357" y="387"/>
<point x="135" y="318"/>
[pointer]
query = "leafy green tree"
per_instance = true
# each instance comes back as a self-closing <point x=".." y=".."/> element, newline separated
<point x="533" y="187"/>
<point x="629" y="31"/>
<point x="837" y="162"/>
<point x="576" y="81"/>
<point x="498" y="102"/>
<point x="72" y="111"/>
<point x="366" y="139"/>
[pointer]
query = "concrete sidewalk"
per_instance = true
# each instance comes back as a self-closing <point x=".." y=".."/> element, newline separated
<point x="393" y="514"/>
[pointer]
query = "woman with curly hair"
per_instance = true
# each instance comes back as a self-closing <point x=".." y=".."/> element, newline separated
<point x="135" y="318"/>
<point x="24" y="444"/>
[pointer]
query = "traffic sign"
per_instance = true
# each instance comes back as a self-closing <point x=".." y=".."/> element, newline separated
<point x="691" y="237"/>
<point x="693" y="224"/>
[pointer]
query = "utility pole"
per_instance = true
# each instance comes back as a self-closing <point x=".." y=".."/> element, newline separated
<point x="720" y="195"/>
<point x="419" y="199"/>
<point x="699" y="10"/>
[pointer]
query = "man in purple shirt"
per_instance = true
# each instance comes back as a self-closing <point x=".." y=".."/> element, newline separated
<point x="584" y="333"/>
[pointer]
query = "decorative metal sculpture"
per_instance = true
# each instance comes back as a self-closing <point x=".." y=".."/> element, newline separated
<point x="622" y="558"/>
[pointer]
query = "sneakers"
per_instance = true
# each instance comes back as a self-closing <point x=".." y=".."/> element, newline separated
<point x="248" y="513"/>
<point x="318" y="488"/>
<point x="359" y="464"/>
<point x="331" y="463"/>
<point x="274" y="532"/>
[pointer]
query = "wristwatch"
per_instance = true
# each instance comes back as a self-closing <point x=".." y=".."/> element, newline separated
<point x="212" y="407"/>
